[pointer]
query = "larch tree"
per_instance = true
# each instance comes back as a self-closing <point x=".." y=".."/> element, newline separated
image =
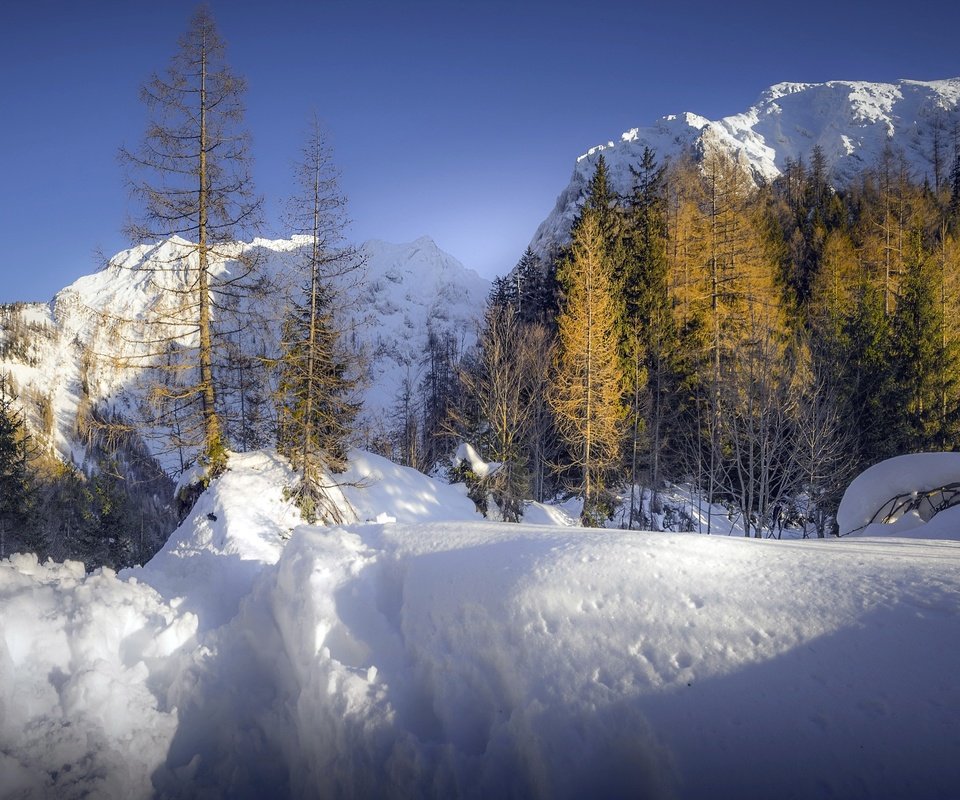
<point x="191" y="177"/>
<point x="586" y="394"/>
<point x="318" y="375"/>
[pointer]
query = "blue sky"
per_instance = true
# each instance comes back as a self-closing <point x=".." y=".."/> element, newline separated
<point x="459" y="120"/>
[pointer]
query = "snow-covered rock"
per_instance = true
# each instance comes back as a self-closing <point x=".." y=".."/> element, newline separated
<point x="851" y="121"/>
<point x="466" y="454"/>
<point x="881" y="501"/>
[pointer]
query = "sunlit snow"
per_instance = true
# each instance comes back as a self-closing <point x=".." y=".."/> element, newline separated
<point x="444" y="656"/>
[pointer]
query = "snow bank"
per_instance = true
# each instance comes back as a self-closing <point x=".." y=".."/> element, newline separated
<point x="84" y="665"/>
<point x="372" y="485"/>
<point x="876" y="486"/>
<point x="441" y="657"/>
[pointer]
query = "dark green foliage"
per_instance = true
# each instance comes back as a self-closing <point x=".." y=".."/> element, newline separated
<point x="600" y="199"/>
<point x="870" y="388"/>
<point x="317" y="404"/>
<point x="107" y="528"/>
<point x="316" y="394"/>
<point x="923" y="362"/>
<point x="440" y="393"/>
<point x="647" y="327"/>
<point x="955" y="186"/>
<point x="18" y="525"/>
<point x="527" y="290"/>
<point x="802" y="209"/>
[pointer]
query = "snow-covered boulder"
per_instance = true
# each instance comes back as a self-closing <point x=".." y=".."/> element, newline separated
<point x="893" y="498"/>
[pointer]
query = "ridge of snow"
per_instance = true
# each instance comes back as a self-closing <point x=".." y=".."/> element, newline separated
<point x="912" y="473"/>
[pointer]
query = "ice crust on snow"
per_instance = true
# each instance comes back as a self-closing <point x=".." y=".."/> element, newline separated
<point x="851" y="121"/>
<point x="444" y="656"/>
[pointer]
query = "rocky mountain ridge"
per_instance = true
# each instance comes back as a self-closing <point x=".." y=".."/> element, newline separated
<point x="850" y="121"/>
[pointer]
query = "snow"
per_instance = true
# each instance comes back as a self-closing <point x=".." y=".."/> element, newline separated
<point x="851" y="121"/>
<point x="87" y="344"/>
<point x="914" y="473"/>
<point x="466" y="454"/>
<point x="410" y="291"/>
<point x="443" y="656"/>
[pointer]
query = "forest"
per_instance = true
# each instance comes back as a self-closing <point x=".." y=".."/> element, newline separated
<point x="764" y="343"/>
<point x="760" y="342"/>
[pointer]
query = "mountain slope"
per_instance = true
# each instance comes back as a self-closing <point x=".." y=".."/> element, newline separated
<point x="88" y="347"/>
<point x="850" y="121"/>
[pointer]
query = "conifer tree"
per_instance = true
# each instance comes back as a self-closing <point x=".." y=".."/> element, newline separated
<point x="588" y="380"/>
<point x="647" y="323"/>
<point x="316" y="381"/>
<point x="922" y="360"/>
<point x="16" y="484"/>
<point x="191" y="176"/>
<point x="867" y="375"/>
<point x="534" y="296"/>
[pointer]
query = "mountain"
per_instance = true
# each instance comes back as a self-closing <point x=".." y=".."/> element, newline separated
<point x="850" y="121"/>
<point x="89" y="347"/>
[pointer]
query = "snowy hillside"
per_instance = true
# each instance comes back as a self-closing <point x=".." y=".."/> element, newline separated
<point x="80" y="348"/>
<point x="851" y="121"/>
<point x="411" y="289"/>
<point x="426" y="653"/>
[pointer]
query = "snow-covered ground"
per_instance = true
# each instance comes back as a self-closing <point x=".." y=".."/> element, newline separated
<point x="432" y="654"/>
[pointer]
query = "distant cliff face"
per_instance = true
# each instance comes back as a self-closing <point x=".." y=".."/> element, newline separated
<point x="850" y="121"/>
<point x="90" y="347"/>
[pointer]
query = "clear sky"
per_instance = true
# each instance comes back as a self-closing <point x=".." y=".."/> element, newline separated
<point x="459" y="120"/>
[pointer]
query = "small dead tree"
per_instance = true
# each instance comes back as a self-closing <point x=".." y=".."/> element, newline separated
<point x="759" y="407"/>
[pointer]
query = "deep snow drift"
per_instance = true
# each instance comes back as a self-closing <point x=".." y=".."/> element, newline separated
<point x="432" y="654"/>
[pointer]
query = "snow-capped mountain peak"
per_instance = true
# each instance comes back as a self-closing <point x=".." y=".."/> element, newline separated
<point x="100" y="329"/>
<point x="850" y="121"/>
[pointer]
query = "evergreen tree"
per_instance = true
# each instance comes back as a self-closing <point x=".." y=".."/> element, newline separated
<point x="868" y="377"/>
<point x="105" y="526"/>
<point x="440" y="393"/>
<point x="922" y="361"/>
<point x="16" y="482"/>
<point x="500" y="294"/>
<point x="317" y="383"/>
<point x="534" y="294"/>
<point x="646" y="328"/>
<point x="955" y="186"/>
